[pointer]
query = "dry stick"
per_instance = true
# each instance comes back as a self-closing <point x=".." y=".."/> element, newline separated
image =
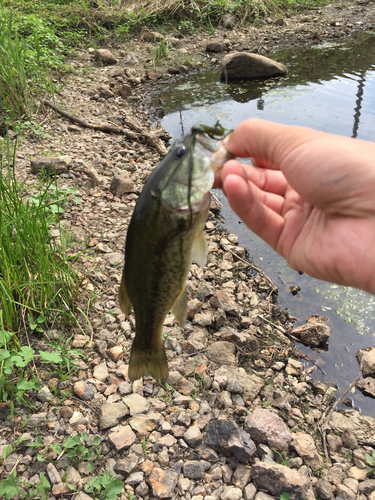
<point x="323" y="425"/>
<point x="84" y="402"/>
<point x="154" y="141"/>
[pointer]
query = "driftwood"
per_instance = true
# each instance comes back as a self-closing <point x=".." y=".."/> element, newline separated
<point x="138" y="133"/>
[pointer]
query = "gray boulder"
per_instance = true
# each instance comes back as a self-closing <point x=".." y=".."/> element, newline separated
<point x="244" y="65"/>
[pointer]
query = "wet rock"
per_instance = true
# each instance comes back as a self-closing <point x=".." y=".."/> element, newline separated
<point x="278" y="479"/>
<point x="121" y="184"/>
<point x="163" y="482"/>
<point x="265" y="426"/>
<point x="222" y="353"/>
<point x="294" y="367"/>
<point x="122" y="439"/>
<point x="111" y="414"/>
<point x="313" y="333"/>
<point x="367" y="386"/>
<point x="363" y="426"/>
<point x="83" y="390"/>
<point x="106" y="56"/>
<point x="306" y="449"/>
<point x="193" y="469"/>
<point x="137" y="404"/>
<point x="227" y="438"/>
<point x="237" y="65"/>
<point x="367" y="358"/>
<point x="51" y="165"/>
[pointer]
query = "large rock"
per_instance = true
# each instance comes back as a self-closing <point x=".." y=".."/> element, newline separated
<point x="227" y="438"/>
<point x="51" y="165"/>
<point x="278" y="479"/>
<point x="105" y="55"/>
<point x="306" y="449"/>
<point x="367" y="386"/>
<point x="238" y="65"/>
<point x="252" y="384"/>
<point x="313" y="333"/>
<point x="362" y="426"/>
<point x="136" y="403"/>
<point x="266" y="427"/>
<point x="367" y="358"/>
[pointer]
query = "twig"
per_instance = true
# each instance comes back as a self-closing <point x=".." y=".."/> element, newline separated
<point x="262" y="273"/>
<point x="324" y="421"/>
<point x="84" y="402"/>
<point x="140" y="134"/>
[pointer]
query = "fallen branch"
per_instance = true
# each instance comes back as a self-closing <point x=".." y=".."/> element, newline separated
<point x="139" y="134"/>
<point x="324" y="421"/>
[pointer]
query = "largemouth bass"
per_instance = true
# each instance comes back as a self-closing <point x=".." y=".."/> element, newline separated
<point x="165" y="234"/>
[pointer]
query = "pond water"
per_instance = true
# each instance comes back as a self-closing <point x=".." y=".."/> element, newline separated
<point x="329" y="87"/>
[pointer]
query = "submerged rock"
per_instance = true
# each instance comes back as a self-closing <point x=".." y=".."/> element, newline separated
<point x="245" y="65"/>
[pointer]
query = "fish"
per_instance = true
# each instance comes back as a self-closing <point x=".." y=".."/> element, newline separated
<point x="164" y="236"/>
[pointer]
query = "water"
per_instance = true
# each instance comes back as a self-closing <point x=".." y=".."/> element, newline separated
<point x="330" y="87"/>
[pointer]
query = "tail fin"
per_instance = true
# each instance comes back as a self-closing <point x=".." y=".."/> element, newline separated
<point x="148" y="362"/>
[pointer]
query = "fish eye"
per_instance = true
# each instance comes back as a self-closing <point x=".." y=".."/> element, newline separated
<point x="180" y="151"/>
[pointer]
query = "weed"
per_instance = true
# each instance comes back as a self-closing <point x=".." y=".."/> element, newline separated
<point x="284" y="496"/>
<point x="143" y="443"/>
<point x="161" y="52"/>
<point x="282" y="460"/>
<point x="105" y="487"/>
<point x="11" y="486"/>
<point x="371" y="459"/>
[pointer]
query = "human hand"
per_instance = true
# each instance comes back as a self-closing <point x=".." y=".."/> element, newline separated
<point x="310" y="195"/>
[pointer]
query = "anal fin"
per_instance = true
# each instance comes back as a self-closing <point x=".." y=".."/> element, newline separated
<point x="180" y="308"/>
<point x="200" y="250"/>
<point x="124" y="300"/>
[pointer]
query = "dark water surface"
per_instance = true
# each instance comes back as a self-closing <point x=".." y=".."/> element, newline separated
<point x="329" y="87"/>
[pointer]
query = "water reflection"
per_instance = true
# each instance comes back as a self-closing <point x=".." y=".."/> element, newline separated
<point x="329" y="88"/>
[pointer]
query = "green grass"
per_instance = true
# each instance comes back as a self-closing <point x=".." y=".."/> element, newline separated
<point x="38" y="285"/>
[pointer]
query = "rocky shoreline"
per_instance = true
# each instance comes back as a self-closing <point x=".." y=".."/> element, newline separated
<point x="240" y="416"/>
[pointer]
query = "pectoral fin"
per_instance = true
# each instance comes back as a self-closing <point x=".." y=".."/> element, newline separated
<point x="179" y="308"/>
<point x="124" y="300"/>
<point x="200" y="250"/>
